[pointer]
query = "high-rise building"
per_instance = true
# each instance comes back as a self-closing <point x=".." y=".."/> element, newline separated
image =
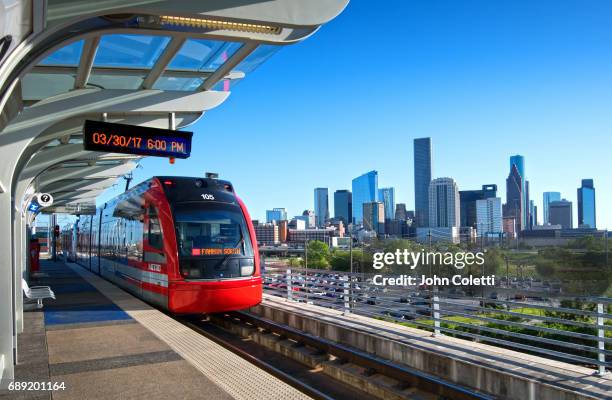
<point x="514" y="198"/>
<point x="548" y="198"/>
<point x="321" y="206"/>
<point x="489" y="216"/>
<point x="561" y="213"/>
<point x="387" y="197"/>
<point x="519" y="161"/>
<point x="400" y="212"/>
<point x="343" y="206"/>
<point x="374" y="217"/>
<point x="528" y="208"/>
<point x="444" y="208"/>
<point x="422" y="179"/>
<point x="276" y="214"/>
<point x="365" y="190"/>
<point x="586" y="205"/>
<point x="468" y="199"/>
<point x="533" y="214"/>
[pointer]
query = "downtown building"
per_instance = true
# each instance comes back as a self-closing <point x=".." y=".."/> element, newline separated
<point x="548" y="197"/>
<point x="468" y="199"/>
<point x="387" y="197"/>
<point x="308" y="216"/>
<point x="489" y="222"/>
<point x="514" y="207"/>
<point x="422" y="179"/>
<point x="444" y="212"/>
<point x="374" y="217"/>
<point x="561" y="213"/>
<point x="587" y="216"/>
<point x="276" y="214"/>
<point x="321" y="206"/>
<point x="365" y="190"/>
<point x="343" y="206"/>
<point x="267" y="234"/>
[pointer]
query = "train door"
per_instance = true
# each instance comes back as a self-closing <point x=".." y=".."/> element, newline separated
<point x="155" y="277"/>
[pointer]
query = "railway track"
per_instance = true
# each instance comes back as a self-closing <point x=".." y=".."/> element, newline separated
<point x="342" y="372"/>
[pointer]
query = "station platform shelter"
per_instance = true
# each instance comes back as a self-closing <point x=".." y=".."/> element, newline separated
<point x="160" y="64"/>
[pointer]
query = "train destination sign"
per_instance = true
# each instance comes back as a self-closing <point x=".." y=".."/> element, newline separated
<point x="140" y="140"/>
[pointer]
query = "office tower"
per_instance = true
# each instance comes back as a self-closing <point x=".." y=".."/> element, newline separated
<point x="276" y="214"/>
<point x="444" y="209"/>
<point x="374" y="217"/>
<point x="514" y="198"/>
<point x="489" y="216"/>
<point x="519" y="161"/>
<point x="560" y="213"/>
<point x="321" y="206"/>
<point x="422" y="178"/>
<point x="365" y="190"/>
<point x="343" y="206"/>
<point x="387" y="197"/>
<point x="548" y="198"/>
<point x="533" y="214"/>
<point x="468" y="199"/>
<point x="586" y="205"/>
<point x="400" y="212"/>
<point x="528" y="224"/>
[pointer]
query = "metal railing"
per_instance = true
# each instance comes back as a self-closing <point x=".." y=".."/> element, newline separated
<point x="527" y="322"/>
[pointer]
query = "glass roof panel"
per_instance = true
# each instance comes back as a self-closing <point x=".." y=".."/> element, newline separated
<point x="200" y="54"/>
<point x="135" y="51"/>
<point x="177" y="83"/>
<point x="41" y="86"/>
<point x="67" y="55"/>
<point x="114" y="81"/>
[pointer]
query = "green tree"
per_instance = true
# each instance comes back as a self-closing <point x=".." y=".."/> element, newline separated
<point x="318" y="255"/>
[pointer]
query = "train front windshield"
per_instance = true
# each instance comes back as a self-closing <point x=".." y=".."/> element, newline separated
<point x="213" y="241"/>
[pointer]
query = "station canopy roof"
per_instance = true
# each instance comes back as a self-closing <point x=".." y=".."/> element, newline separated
<point x="128" y="62"/>
<point x="143" y="69"/>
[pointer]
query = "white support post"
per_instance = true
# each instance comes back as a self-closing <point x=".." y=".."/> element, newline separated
<point x="435" y="303"/>
<point x="289" y="284"/>
<point x="601" y="345"/>
<point x="347" y="304"/>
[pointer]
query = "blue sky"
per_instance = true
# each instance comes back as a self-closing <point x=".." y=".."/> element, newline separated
<point x="484" y="79"/>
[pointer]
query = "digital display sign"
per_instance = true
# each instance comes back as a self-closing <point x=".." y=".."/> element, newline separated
<point x="139" y="140"/>
<point x="215" y="252"/>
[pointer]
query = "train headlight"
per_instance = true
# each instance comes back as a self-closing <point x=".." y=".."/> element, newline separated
<point x="247" y="267"/>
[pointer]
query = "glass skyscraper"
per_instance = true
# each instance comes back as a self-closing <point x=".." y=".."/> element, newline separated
<point x="444" y="208"/>
<point x="321" y="206"/>
<point x="343" y="206"/>
<point x="548" y="198"/>
<point x="365" y="190"/>
<point x="519" y="161"/>
<point x="422" y="179"/>
<point x="586" y="205"/>
<point x="387" y="197"/>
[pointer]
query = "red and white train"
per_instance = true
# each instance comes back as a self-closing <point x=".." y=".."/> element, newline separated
<point x="186" y="245"/>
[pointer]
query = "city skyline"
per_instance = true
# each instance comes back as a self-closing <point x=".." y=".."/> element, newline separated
<point x="480" y="87"/>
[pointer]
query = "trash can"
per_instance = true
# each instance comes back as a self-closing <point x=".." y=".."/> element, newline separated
<point x="34" y="256"/>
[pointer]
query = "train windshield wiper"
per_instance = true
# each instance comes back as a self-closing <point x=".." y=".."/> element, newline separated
<point x="228" y="256"/>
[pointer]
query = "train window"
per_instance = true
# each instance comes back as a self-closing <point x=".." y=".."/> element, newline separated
<point x="154" y="234"/>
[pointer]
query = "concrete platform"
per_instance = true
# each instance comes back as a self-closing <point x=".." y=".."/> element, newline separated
<point x="103" y="343"/>
<point x="503" y="373"/>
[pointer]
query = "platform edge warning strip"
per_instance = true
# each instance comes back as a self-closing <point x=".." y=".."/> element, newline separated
<point x="239" y="378"/>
